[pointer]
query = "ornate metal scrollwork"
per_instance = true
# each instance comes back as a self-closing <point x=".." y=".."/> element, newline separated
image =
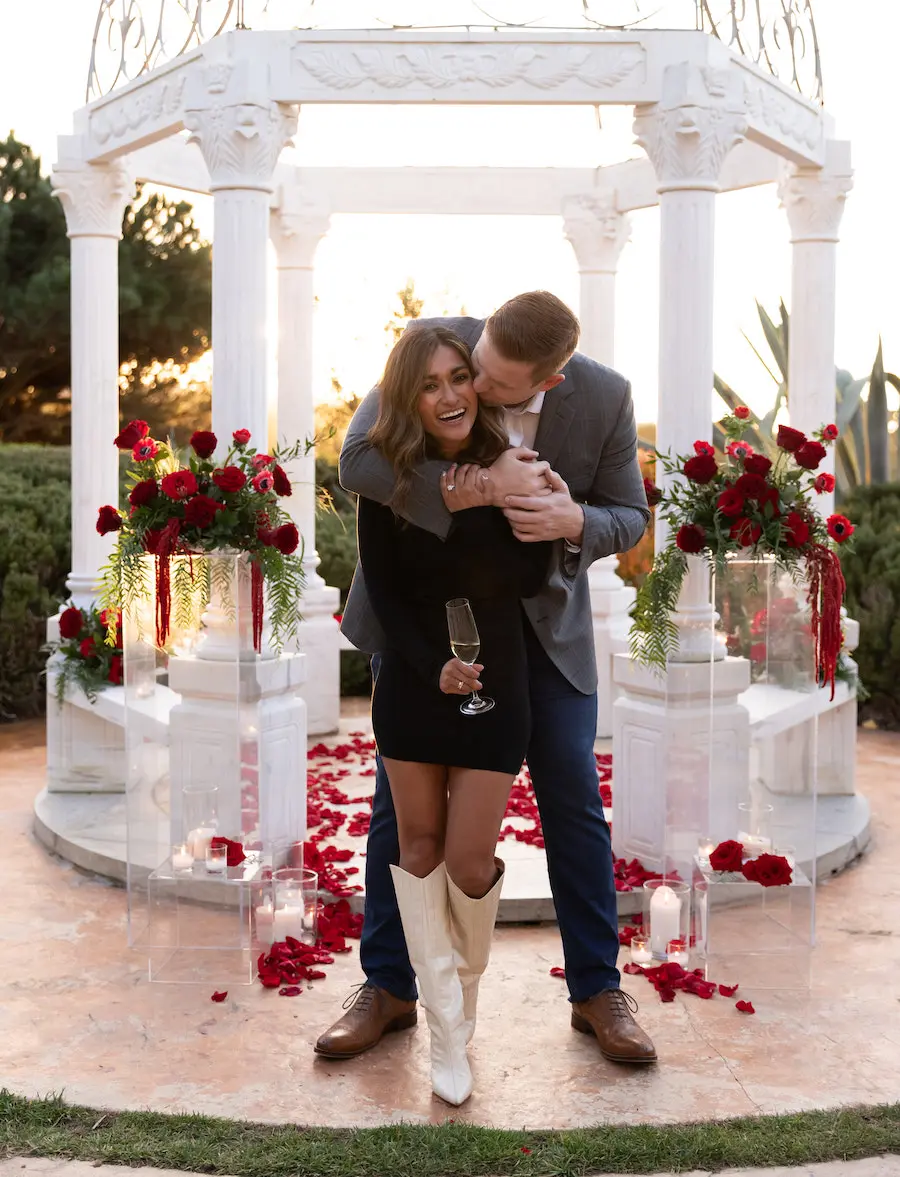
<point x="131" y="37"/>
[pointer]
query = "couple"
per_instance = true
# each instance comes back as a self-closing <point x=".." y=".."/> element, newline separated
<point x="448" y="510"/>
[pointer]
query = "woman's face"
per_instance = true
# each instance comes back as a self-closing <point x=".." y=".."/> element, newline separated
<point x="447" y="401"/>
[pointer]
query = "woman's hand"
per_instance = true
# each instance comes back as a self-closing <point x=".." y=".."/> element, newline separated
<point x="457" y="678"/>
<point x="465" y="486"/>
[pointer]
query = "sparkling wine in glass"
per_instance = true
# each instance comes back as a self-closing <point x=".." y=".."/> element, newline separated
<point x="465" y="644"/>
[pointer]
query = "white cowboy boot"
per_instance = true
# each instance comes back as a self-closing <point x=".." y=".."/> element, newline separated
<point x="472" y="929"/>
<point x="425" y="913"/>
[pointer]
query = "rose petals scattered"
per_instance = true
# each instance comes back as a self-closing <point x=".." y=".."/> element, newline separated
<point x="746" y="1007"/>
<point x="291" y="990"/>
<point x="219" y="996"/>
<point x="728" y="990"/>
<point x="556" y="971"/>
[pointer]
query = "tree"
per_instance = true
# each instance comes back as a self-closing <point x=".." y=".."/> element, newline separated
<point x="164" y="285"/>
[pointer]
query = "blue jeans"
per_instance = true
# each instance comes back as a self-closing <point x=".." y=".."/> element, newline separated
<point x="576" y="838"/>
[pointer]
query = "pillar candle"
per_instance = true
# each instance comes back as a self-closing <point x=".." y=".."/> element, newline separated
<point x="665" y="919"/>
<point x="288" y="921"/>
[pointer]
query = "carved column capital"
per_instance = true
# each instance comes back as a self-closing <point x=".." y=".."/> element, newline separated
<point x="688" y="134"/>
<point x="94" y="196"/>
<point x="241" y="142"/>
<point x="597" y="230"/>
<point x="814" y="198"/>
<point x="296" y="226"/>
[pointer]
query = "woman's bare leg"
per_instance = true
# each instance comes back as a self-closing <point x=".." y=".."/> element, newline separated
<point x="477" y="803"/>
<point x="419" y="792"/>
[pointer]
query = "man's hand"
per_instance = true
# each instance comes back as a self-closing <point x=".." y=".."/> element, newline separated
<point x="457" y="678"/>
<point x="465" y="486"/>
<point x="544" y="517"/>
<point x="517" y="472"/>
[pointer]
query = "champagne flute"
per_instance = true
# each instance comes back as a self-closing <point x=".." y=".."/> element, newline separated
<point x="465" y="644"/>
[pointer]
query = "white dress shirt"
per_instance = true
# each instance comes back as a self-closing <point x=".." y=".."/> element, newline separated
<point x="521" y="423"/>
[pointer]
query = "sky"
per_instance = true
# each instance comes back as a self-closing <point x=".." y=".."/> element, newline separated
<point x="477" y="262"/>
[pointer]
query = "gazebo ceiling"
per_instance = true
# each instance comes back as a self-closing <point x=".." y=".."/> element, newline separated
<point x="133" y="37"/>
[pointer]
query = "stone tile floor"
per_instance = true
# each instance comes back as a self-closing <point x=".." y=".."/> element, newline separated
<point x="77" y="1013"/>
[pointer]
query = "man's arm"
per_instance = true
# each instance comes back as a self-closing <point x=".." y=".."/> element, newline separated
<point x="364" y="471"/>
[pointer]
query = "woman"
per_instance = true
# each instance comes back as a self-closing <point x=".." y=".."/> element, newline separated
<point x="450" y="774"/>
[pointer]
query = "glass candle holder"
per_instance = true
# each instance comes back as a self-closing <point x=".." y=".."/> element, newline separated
<point x="640" y="950"/>
<point x="295" y="904"/>
<point x="667" y="914"/>
<point x="705" y="847"/>
<point x="677" y="952"/>
<point x="199" y="818"/>
<point x="217" y="859"/>
<point x="755" y="827"/>
<point x="182" y="858"/>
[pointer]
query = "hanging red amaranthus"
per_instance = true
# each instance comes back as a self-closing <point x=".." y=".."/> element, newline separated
<point x="256" y="603"/>
<point x="826" y="593"/>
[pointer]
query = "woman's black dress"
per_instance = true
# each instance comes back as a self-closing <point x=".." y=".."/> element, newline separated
<point x="410" y="574"/>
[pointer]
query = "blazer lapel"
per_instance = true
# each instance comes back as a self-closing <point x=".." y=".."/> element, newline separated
<point x="556" y="418"/>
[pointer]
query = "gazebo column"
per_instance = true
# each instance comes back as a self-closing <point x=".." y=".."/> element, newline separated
<point x="598" y="233"/>
<point x="814" y="199"/>
<point x="84" y="751"/>
<point x="664" y="778"/>
<point x="296" y="229"/>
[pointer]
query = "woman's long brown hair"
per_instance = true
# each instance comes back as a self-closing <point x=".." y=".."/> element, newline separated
<point x="398" y="432"/>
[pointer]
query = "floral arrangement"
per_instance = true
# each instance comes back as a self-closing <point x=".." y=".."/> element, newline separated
<point x="198" y="507"/>
<point x="753" y="506"/>
<point x="769" y="870"/>
<point x="88" y="660"/>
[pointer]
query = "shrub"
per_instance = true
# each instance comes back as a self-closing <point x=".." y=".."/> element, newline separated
<point x="872" y="572"/>
<point x="34" y="563"/>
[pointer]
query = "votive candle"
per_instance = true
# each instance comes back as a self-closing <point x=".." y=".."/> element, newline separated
<point x="676" y="952"/>
<point x="182" y="859"/>
<point x="640" y="950"/>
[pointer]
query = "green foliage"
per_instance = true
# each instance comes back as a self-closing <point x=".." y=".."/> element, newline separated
<point x="34" y="563"/>
<point x="653" y="636"/>
<point x="872" y="573"/>
<point x="164" y="284"/>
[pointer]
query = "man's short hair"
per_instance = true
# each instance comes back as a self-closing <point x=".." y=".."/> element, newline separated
<point x="536" y="328"/>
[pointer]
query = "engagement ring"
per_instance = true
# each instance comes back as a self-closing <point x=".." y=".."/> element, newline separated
<point x="460" y="684"/>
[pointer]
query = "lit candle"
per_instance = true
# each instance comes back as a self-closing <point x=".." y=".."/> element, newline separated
<point x="265" y="918"/>
<point x="182" y="859"/>
<point x="640" y="950"/>
<point x="755" y="843"/>
<point x="665" y="919"/>
<point x="198" y="841"/>
<point x="677" y="953"/>
<point x="217" y="859"/>
<point x="705" y="849"/>
<point x="288" y="921"/>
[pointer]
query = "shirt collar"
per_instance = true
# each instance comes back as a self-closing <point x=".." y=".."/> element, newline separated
<point x="532" y="406"/>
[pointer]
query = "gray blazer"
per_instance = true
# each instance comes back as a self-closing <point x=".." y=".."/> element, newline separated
<point x="588" y="435"/>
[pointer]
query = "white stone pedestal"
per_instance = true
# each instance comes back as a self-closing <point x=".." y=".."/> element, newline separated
<point x="681" y="749"/>
<point x="318" y="637"/>
<point x="611" y="599"/>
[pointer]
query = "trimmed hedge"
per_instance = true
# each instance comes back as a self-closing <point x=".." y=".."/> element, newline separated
<point x="872" y="572"/>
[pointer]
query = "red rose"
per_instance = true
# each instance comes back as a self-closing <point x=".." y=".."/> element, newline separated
<point x="746" y="532"/>
<point x="769" y="870"/>
<point x="108" y="519"/>
<point x="234" y="854"/>
<point x="132" y="434"/>
<point x="703" y="448"/>
<point x="727" y="856"/>
<point x="282" y="482"/>
<point x="839" y="528"/>
<point x="115" y="669"/>
<point x="145" y="492"/>
<point x="790" y="439"/>
<point x="701" y="468"/>
<point x="830" y="432"/>
<point x="757" y="464"/>
<point x="71" y="622"/>
<point x="241" y="436"/>
<point x="691" y="538"/>
<point x="824" y="483"/>
<point x="653" y="493"/>
<point x="752" y="486"/>
<point x="285" y="538"/>
<point x="730" y="501"/>
<point x="770" y="496"/>
<point x="742" y="412"/>
<point x="201" y="510"/>
<point x="230" y="480"/>
<point x="203" y="443"/>
<point x="739" y="449"/>
<point x="810" y="454"/>
<point x="179" y="485"/>
<point x="88" y="648"/>
<point x="796" y="530"/>
<point x="260" y="461"/>
<point x="264" y="481"/>
<point x="144" y="450"/>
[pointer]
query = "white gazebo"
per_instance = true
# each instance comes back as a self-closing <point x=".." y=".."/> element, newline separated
<point x="711" y="116"/>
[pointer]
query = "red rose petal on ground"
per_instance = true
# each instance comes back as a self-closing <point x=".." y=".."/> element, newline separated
<point x="728" y="990"/>
<point x="746" y="1007"/>
<point x="556" y="971"/>
<point x="666" y="993"/>
<point x="219" y="996"/>
<point x="632" y="969"/>
<point x="526" y="1151"/>
<point x="290" y="991"/>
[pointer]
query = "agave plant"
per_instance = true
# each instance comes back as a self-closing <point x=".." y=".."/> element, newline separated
<point x="868" y="450"/>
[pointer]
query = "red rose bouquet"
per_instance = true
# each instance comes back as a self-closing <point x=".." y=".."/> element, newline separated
<point x="89" y="661"/>
<point x="752" y="505"/>
<point x="201" y="506"/>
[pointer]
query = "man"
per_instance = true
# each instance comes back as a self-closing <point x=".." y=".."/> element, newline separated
<point x="586" y="493"/>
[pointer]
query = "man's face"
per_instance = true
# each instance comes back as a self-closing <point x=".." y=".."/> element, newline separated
<point x="503" y="382"/>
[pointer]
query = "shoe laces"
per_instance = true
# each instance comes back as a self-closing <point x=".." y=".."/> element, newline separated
<point x="621" y="1004"/>
<point x="361" y="997"/>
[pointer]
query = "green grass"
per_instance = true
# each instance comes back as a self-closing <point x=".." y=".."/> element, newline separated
<point x="51" y="1128"/>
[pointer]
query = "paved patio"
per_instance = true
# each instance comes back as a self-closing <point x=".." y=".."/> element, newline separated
<point x="77" y="1013"/>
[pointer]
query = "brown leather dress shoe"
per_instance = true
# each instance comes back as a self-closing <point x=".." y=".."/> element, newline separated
<point x="609" y="1016"/>
<point x="371" y="1013"/>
